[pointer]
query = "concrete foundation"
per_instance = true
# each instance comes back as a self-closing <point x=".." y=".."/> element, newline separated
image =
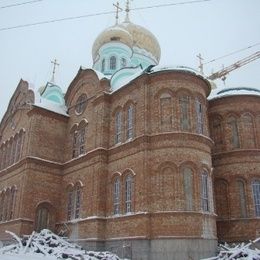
<point x="157" y="249"/>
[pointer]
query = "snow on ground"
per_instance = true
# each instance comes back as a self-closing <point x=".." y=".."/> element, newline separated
<point x="48" y="246"/>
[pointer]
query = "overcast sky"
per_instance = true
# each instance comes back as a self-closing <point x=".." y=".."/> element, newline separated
<point x="213" y="28"/>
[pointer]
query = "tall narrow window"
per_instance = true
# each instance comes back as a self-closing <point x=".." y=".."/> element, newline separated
<point x="75" y="144"/>
<point x="130" y="121"/>
<point x="2" y="206"/>
<point x="70" y="206"/>
<point x="221" y="196"/>
<point x="248" y="131"/>
<point x="118" y="126"/>
<point x="234" y="140"/>
<point x="112" y="63"/>
<point x="188" y="188"/>
<point x="166" y="112"/>
<point x="199" y="113"/>
<point x="242" y="198"/>
<point x="128" y="194"/>
<point x="18" y="147"/>
<point x="78" y="201"/>
<point x="12" y="202"/>
<point x="116" y="202"/>
<point x="184" y="102"/>
<point x="81" y="141"/>
<point x="103" y="65"/>
<point x="256" y="194"/>
<point x="204" y="192"/>
<point x="12" y="155"/>
<point x="123" y="62"/>
<point x="217" y="133"/>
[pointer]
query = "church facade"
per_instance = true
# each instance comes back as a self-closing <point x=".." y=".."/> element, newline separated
<point x="148" y="162"/>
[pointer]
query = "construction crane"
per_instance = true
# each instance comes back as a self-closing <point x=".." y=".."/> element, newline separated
<point x="221" y="74"/>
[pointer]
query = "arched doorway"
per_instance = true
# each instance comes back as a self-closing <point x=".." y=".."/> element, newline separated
<point x="45" y="217"/>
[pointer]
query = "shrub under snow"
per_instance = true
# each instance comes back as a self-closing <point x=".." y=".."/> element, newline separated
<point x="50" y="246"/>
<point x="240" y="251"/>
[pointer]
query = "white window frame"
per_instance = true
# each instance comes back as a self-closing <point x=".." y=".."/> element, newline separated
<point x="128" y="193"/>
<point x="256" y="195"/>
<point x="205" y="192"/>
<point x="116" y="196"/>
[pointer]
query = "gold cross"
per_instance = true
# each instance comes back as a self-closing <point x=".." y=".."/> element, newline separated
<point x="127" y="10"/>
<point x="200" y="63"/>
<point x="117" y="10"/>
<point x="55" y="63"/>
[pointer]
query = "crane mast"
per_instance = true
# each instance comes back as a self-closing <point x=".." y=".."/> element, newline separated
<point x="221" y="74"/>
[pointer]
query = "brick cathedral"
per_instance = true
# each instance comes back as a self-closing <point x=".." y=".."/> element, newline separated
<point x="148" y="162"/>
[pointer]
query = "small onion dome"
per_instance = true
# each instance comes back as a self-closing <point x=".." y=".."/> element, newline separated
<point x="114" y="33"/>
<point x="143" y="39"/>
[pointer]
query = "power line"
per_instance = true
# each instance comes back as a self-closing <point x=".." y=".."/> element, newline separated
<point x="95" y="14"/>
<point x="165" y="5"/>
<point x="231" y="53"/>
<point x="18" y="4"/>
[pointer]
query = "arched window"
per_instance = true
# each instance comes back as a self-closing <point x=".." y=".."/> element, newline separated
<point x="256" y="195"/>
<point x="188" y="188"/>
<point x="199" y="114"/>
<point x="112" y="63"/>
<point x="204" y="191"/>
<point x="130" y="122"/>
<point x="217" y="133"/>
<point x="2" y="206"/>
<point x="78" y="201"/>
<point x="78" y="139"/>
<point x="233" y="129"/>
<point x="70" y="205"/>
<point x="12" y="202"/>
<point x="81" y="140"/>
<point x="116" y="196"/>
<point x="184" y="102"/>
<point x="18" y="147"/>
<point x="128" y="193"/>
<point x="42" y="218"/>
<point x="242" y="198"/>
<point x="103" y="65"/>
<point x="221" y="196"/>
<point x="248" y="131"/>
<point x="118" y="127"/>
<point x="123" y="62"/>
<point x="166" y="111"/>
<point x="12" y="155"/>
<point x="74" y="197"/>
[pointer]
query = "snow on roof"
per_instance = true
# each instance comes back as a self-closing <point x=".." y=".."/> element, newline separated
<point x="233" y="91"/>
<point x="51" y="106"/>
<point x="101" y="75"/>
<point x="119" y="82"/>
<point x="177" y="68"/>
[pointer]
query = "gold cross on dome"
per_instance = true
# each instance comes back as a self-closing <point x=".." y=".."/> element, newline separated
<point x="127" y="10"/>
<point x="55" y="63"/>
<point x="118" y="8"/>
<point x="200" y="63"/>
